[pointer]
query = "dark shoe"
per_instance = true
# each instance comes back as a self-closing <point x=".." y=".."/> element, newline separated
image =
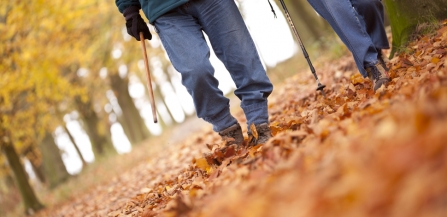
<point x="378" y="75"/>
<point x="264" y="134"/>
<point x="232" y="135"/>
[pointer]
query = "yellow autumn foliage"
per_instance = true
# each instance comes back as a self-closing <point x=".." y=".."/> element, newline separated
<point x="40" y="42"/>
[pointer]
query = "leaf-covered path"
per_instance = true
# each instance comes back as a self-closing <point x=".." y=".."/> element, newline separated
<point x="355" y="153"/>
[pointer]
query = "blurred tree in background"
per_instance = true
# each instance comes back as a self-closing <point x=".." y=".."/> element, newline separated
<point x="410" y="16"/>
<point x="38" y="39"/>
<point x="309" y="24"/>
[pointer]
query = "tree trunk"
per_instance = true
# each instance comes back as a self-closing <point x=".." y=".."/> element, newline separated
<point x="405" y="15"/>
<point x="38" y="170"/>
<point x="9" y="181"/>
<point x="29" y="198"/>
<point x="313" y="26"/>
<point x="84" y="163"/>
<point x="53" y="166"/>
<point x="131" y="120"/>
<point x="35" y="159"/>
<point x="99" y="135"/>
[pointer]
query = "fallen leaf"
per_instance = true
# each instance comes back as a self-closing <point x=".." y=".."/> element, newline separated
<point x="202" y="163"/>
<point x="435" y="60"/>
<point x="254" y="132"/>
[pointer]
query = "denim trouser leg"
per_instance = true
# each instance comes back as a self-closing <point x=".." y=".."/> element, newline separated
<point x="181" y="33"/>
<point x="373" y="18"/>
<point x="352" y="28"/>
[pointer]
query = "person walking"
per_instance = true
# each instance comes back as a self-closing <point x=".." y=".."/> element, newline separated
<point x="180" y="25"/>
<point x="360" y="25"/>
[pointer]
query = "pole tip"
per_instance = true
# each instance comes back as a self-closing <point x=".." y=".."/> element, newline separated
<point x="321" y="88"/>
<point x="324" y="94"/>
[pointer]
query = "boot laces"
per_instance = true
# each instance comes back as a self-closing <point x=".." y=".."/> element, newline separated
<point x="376" y="74"/>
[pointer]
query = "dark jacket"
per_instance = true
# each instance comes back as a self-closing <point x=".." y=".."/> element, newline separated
<point x="153" y="9"/>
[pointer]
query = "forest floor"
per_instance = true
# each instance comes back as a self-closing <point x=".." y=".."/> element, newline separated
<point x="355" y="153"/>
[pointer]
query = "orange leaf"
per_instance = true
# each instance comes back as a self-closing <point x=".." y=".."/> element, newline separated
<point x="435" y="60"/>
<point x="253" y="131"/>
<point x="203" y="164"/>
<point x="275" y="130"/>
<point x="356" y="79"/>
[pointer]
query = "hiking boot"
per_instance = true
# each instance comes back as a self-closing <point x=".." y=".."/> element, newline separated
<point x="264" y="134"/>
<point x="383" y="60"/>
<point x="232" y="135"/>
<point x="378" y="75"/>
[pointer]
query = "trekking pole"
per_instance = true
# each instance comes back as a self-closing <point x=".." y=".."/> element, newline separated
<point x="312" y="69"/>
<point x="148" y="75"/>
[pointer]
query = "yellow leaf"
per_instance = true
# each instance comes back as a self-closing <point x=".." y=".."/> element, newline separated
<point x="253" y="131"/>
<point x="275" y="129"/>
<point x="356" y="79"/>
<point x="202" y="164"/>
<point x="435" y="60"/>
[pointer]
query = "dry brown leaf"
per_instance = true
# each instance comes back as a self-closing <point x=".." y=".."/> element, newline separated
<point x="254" y="132"/>
<point x="148" y="213"/>
<point x="435" y="60"/>
<point x="202" y="163"/>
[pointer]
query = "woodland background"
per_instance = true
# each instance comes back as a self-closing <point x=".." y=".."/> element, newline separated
<point x="70" y="74"/>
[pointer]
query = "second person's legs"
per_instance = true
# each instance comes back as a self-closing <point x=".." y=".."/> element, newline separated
<point x="233" y="45"/>
<point x="373" y="17"/>
<point x="347" y="23"/>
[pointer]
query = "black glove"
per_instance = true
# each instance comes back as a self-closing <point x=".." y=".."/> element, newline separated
<point x="135" y="24"/>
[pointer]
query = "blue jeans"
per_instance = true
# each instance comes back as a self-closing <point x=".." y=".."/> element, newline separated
<point x="180" y="31"/>
<point x="359" y="24"/>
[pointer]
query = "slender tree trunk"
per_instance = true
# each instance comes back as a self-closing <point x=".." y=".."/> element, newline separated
<point x="70" y="136"/>
<point x="314" y="25"/>
<point x="38" y="170"/>
<point x="32" y="154"/>
<point x="29" y="198"/>
<point x="405" y="15"/>
<point x="9" y="181"/>
<point x="131" y="120"/>
<point x="99" y="135"/>
<point x="84" y="163"/>
<point x="53" y="166"/>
